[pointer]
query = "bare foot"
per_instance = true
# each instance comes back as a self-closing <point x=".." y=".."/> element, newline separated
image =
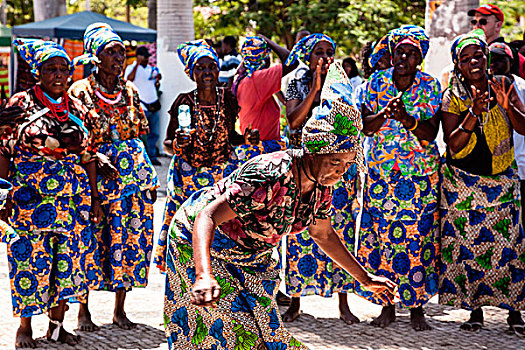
<point x="418" y="321"/>
<point x="123" y="322"/>
<point x="388" y="315"/>
<point x="85" y="324"/>
<point x="293" y="311"/>
<point x="346" y="315"/>
<point x="24" y="339"/>
<point x="64" y="336"/>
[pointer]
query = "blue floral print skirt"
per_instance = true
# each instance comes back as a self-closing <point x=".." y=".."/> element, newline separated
<point x="49" y="236"/>
<point x="482" y="243"/>
<point x="308" y="270"/>
<point x="399" y="236"/>
<point x="246" y="317"/>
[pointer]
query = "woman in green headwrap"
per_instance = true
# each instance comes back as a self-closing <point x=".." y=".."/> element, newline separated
<point x="482" y="239"/>
<point x="221" y="279"/>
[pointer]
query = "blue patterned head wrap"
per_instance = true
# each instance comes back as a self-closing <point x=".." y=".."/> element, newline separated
<point x="254" y="52"/>
<point x="192" y="51"/>
<point x="304" y="47"/>
<point x="336" y="124"/>
<point x="475" y="37"/>
<point x="36" y="51"/>
<point x="96" y="36"/>
<point x="379" y="50"/>
<point x="415" y="34"/>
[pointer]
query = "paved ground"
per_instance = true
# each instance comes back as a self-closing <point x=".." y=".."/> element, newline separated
<point x="318" y="326"/>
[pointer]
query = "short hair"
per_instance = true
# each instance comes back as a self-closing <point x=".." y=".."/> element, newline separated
<point x="230" y="40"/>
<point x="353" y="67"/>
<point x="517" y="44"/>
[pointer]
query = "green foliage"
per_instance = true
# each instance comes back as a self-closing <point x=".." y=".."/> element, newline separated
<point x="19" y="12"/>
<point x="351" y="23"/>
<point x="114" y="9"/>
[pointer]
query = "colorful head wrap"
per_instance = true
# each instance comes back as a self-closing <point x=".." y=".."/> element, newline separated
<point x="379" y="50"/>
<point x="415" y="34"/>
<point x="254" y="52"/>
<point x="304" y="47"/>
<point x="36" y="51"/>
<point x="336" y="124"/>
<point x="475" y="37"/>
<point x="96" y="36"/>
<point x="192" y="51"/>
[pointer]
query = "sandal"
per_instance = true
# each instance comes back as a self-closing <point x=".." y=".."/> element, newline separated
<point x="472" y="326"/>
<point x="518" y="329"/>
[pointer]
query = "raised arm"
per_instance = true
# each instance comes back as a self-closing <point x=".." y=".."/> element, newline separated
<point x="296" y="110"/>
<point x="282" y="52"/>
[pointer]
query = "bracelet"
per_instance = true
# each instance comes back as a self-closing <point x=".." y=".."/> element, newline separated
<point x="465" y="130"/>
<point x="473" y="114"/>
<point x="414" y="127"/>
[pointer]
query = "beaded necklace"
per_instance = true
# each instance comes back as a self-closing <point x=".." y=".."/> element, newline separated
<point x="62" y="107"/>
<point x="208" y="133"/>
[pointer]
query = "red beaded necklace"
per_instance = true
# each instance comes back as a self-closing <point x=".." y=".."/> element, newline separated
<point x="55" y="108"/>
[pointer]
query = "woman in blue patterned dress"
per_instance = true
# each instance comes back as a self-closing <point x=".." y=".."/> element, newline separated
<point x="221" y="279"/>
<point x="308" y="269"/>
<point x="49" y="161"/>
<point x="400" y="220"/>
<point x="127" y="183"/>
<point x="482" y="239"/>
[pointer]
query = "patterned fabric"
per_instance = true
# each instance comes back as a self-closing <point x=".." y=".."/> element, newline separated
<point x="336" y="124"/>
<point x="96" y="36"/>
<point x="393" y="145"/>
<point x="254" y="52"/>
<point x="399" y="236"/>
<point x="265" y="197"/>
<point x="308" y="270"/>
<point x="304" y="47"/>
<point x="45" y="135"/>
<point x="379" y="49"/>
<point x="192" y="51"/>
<point x="184" y="180"/>
<point x="35" y="52"/>
<point x="475" y="37"/>
<point x="416" y="34"/>
<point x="51" y="203"/>
<point x="125" y="238"/>
<point x="489" y="150"/>
<point x="482" y="241"/>
<point x="206" y="149"/>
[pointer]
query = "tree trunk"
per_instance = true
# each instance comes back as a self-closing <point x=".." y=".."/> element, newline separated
<point x="46" y="9"/>
<point x="3" y="14"/>
<point x="174" y="22"/>
<point x="128" y="13"/>
<point x="152" y="14"/>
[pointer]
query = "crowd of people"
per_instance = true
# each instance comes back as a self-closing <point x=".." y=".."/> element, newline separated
<point x="81" y="183"/>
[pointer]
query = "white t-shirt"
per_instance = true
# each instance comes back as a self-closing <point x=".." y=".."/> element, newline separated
<point x="519" y="140"/>
<point x="145" y="85"/>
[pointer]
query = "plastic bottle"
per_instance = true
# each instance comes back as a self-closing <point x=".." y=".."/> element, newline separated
<point x="184" y="118"/>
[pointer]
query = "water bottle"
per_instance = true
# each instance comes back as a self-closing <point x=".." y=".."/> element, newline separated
<point x="184" y="118"/>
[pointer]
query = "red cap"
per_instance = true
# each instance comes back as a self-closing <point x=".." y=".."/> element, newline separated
<point x="487" y="10"/>
<point x="501" y="49"/>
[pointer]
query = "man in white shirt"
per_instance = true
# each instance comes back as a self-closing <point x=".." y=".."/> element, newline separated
<point x="146" y="77"/>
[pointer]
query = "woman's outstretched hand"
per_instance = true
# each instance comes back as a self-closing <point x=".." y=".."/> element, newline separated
<point x="502" y="96"/>
<point x="251" y="136"/>
<point x="205" y="291"/>
<point x="106" y="168"/>
<point x="383" y="287"/>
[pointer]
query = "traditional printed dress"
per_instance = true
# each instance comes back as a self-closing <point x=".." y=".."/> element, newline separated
<point x="399" y="236"/>
<point x="50" y="241"/>
<point x="265" y="197"/>
<point x="125" y="238"/>
<point x="206" y="162"/>
<point x="308" y="270"/>
<point x="482" y="243"/>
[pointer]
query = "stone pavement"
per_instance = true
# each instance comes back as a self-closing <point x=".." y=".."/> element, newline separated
<point x="318" y="326"/>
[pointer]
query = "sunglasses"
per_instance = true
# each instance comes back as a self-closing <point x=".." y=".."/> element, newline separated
<point x="482" y="22"/>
